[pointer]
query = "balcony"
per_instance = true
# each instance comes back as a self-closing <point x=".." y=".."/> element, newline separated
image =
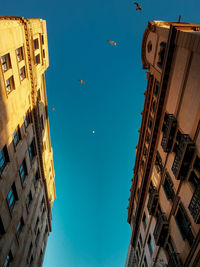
<point x="168" y="132"/>
<point x="153" y="201"/>
<point x="174" y="260"/>
<point x="194" y="206"/>
<point x="161" y="230"/>
<point x="184" y="154"/>
<point x="168" y="187"/>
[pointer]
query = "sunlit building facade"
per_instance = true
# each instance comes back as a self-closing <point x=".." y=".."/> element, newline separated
<point x="164" y="204"/>
<point x="27" y="188"/>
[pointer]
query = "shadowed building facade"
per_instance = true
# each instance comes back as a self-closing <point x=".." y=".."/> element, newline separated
<point x="164" y="204"/>
<point x="27" y="188"/>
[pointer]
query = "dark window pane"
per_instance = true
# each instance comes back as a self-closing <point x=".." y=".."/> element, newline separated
<point x="36" y="43"/>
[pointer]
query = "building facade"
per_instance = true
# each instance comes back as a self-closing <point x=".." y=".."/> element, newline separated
<point x="27" y="188"/>
<point x="164" y="204"/>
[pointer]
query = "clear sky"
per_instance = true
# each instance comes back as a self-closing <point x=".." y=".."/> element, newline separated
<point x="94" y="171"/>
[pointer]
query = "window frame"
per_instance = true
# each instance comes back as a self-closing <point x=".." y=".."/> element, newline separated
<point x="32" y="151"/>
<point x="36" y="43"/>
<point x="19" y="228"/>
<point x="23" y="171"/>
<point x="22" y="73"/>
<point x="10" y="84"/>
<point x="12" y="194"/>
<point x="37" y="59"/>
<point x="8" y="260"/>
<point x="6" y="62"/>
<point x="20" y="53"/>
<point x="16" y="137"/>
<point x="150" y="245"/>
<point x="4" y="158"/>
<point x="27" y="119"/>
<point x="29" y="199"/>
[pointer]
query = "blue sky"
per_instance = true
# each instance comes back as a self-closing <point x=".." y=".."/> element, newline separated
<point x="94" y="171"/>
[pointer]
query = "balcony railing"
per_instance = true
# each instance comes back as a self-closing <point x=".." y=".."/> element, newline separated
<point x="183" y="158"/>
<point x="161" y="230"/>
<point x="168" y="132"/>
<point x="194" y="206"/>
<point x="168" y="187"/>
<point x="174" y="260"/>
<point x="153" y="201"/>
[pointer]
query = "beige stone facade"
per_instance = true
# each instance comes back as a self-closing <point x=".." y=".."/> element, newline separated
<point x="27" y="188"/>
<point x="164" y="205"/>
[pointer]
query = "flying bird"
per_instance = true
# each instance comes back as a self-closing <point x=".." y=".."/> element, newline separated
<point x="82" y="81"/>
<point x="53" y="109"/>
<point x="112" y="42"/>
<point x="139" y="7"/>
<point x="93" y="132"/>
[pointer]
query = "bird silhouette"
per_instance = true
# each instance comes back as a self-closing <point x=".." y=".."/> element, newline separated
<point x="82" y="81"/>
<point x="53" y="109"/>
<point x="138" y="7"/>
<point x="112" y="42"/>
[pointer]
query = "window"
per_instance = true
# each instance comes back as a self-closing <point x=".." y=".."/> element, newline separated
<point x="42" y="122"/>
<point x="144" y="220"/>
<point x="168" y="187"/>
<point x="37" y="59"/>
<point x="36" y="225"/>
<point x="156" y="88"/>
<point x="10" y="85"/>
<point x="150" y="245"/>
<point x="42" y="207"/>
<point x="4" y="158"/>
<point x="46" y="229"/>
<point x="19" y="53"/>
<point x="2" y="230"/>
<point x="27" y="119"/>
<point x="31" y="260"/>
<point x="29" y="253"/>
<point x="29" y="199"/>
<point x="12" y="197"/>
<point x="32" y="151"/>
<point x="16" y="137"/>
<point x="41" y="255"/>
<point x="42" y="39"/>
<point x="148" y="137"/>
<point x="184" y="224"/>
<point x="43" y="53"/>
<point x="149" y="46"/>
<point x="161" y="54"/>
<point x="22" y="73"/>
<point x="6" y="62"/>
<point x="150" y="123"/>
<point x="158" y="163"/>
<point x="9" y="259"/>
<point x="36" y="177"/>
<point x="139" y="248"/>
<point x="38" y="95"/>
<point x="145" y="262"/>
<point x="153" y="106"/>
<point x="23" y="171"/>
<point x="197" y="164"/>
<point x="36" y="43"/>
<point x="37" y="237"/>
<point x="140" y="238"/>
<point x="19" y="227"/>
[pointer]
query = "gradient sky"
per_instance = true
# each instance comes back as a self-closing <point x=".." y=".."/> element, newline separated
<point x="94" y="171"/>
